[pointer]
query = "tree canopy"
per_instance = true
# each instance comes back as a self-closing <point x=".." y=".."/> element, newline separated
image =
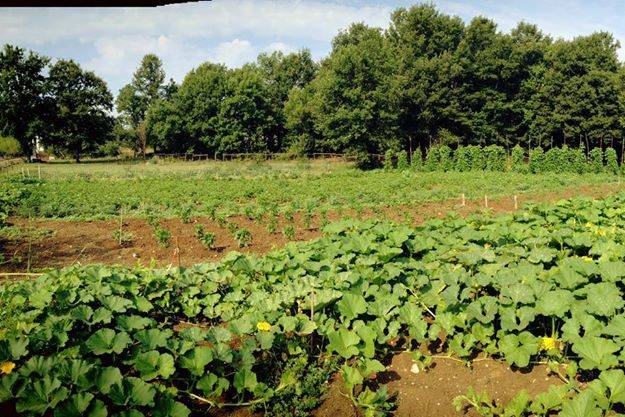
<point x="429" y="79"/>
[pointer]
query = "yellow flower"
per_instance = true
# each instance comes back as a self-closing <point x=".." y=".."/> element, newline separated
<point x="7" y="367"/>
<point x="486" y="245"/>
<point x="263" y="326"/>
<point x="548" y="343"/>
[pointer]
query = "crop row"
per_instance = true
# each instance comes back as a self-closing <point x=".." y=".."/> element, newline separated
<point x="544" y="284"/>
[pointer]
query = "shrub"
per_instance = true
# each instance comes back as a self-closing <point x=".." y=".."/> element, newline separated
<point x="476" y="157"/>
<point x="388" y="160"/>
<point x="416" y="162"/>
<point x="596" y="160"/>
<point x="517" y="159"/>
<point x="362" y="160"/>
<point x="402" y="160"/>
<point x="445" y="160"/>
<point x="431" y="160"/>
<point x="579" y="163"/>
<point x="111" y="148"/>
<point x="9" y="146"/>
<point x="495" y="158"/>
<point x="551" y="160"/>
<point x="462" y="159"/>
<point x="536" y="162"/>
<point x="611" y="161"/>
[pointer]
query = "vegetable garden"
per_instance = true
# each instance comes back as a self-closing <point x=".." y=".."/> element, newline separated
<point x="543" y="285"/>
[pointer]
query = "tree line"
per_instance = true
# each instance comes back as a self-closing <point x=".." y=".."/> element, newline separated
<point x="429" y="79"/>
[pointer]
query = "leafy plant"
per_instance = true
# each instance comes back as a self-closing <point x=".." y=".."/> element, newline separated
<point x="243" y="237"/>
<point x="207" y="238"/>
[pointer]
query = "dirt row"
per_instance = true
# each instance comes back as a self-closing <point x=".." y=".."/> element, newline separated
<point x="63" y="242"/>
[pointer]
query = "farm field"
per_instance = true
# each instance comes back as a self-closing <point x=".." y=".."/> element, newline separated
<point x="143" y="213"/>
<point x="374" y="317"/>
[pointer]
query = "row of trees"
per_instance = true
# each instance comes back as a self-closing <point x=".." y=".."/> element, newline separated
<point x="428" y="79"/>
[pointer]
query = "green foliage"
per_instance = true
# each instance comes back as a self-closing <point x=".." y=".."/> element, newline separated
<point x="462" y="159"/>
<point x="495" y="158"/>
<point x="611" y="161"/>
<point x="247" y="331"/>
<point x="416" y="163"/>
<point x="445" y="160"/>
<point x="596" y="160"/>
<point x="537" y="160"/>
<point x="517" y="159"/>
<point x="432" y="160"/>
<point x="579" y="163"/>
<point x="389" y="162"/>
<point x="402" y="160"/>
<point x="82" y="103"/>
<point x="476" y="158"/>
<point x="9" y="146"/>
<point x="243" y="237"/>
<point x="207" y="238"/>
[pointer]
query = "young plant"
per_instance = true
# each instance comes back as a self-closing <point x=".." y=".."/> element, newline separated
<point x="207" y="238"/>
<point x="289" y="232"/>
<point x="243" y="237"/>
<point x="163" y="236"/>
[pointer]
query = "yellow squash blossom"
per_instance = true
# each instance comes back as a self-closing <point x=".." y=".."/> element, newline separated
<point x="548" y="343"/>
<point x="7" y="367"/>
<point x="263" y="326"/>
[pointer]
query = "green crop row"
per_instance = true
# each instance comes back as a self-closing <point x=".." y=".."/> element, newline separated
<point x="496" y="158"/>
<point x="543" y="284"/>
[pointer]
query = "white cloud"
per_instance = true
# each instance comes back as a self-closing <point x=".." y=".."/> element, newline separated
<point x="234" y="53"/>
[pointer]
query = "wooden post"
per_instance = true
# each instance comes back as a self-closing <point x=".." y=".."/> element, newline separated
<point x="39" y="170"/>
<point x="485" y="200"/>
<point x="516" y="203"/>
<point x="464" y="203"/>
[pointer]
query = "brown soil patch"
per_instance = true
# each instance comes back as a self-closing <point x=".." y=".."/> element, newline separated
<point x="92" y="241"/>
<point x="431" y="392"/>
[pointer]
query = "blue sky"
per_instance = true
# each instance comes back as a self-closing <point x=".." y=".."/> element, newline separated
<point x="112" y="41"/>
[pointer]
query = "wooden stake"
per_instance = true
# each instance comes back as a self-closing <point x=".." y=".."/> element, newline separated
<point x="486" y="201"/>
<point x="516" y="203"/>
<point x="39" y="170"/>
<point x="464" y="203"/>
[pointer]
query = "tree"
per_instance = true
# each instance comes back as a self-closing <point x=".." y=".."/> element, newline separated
<point x="80" y="119"/>
<point x="246" y="120"/>
<point x="134" y="99"/>
<point x="282" y="73"/>
<point x="355" y="107"/>
<point x="423" y="40"/>
<point x="22" y="95"/>
<point x="199" y="101"/>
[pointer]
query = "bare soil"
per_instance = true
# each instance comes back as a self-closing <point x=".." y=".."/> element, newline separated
<point x="430" y="393"/>
<point x="70" y="242"/>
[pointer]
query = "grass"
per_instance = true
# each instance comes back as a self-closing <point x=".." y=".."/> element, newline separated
<point x="99" y="190"/>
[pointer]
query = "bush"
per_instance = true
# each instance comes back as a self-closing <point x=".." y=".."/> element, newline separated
<point x="579" y="164"/>
<point x="551" y="160"/>
<point x="537" y="160"/>
<point x="596" y="160"/>
<point x="362" y="160"/>
<point x="611" y="161"/>
<point x="111" y="148"/>
<point x="402" y="160"/>
<point x="476" y="157"/>
<point x="517" y="159"/>
<point x="416" y="162"/>
<point x="445" y="160"/>
<point x="462" y="159"/>
<point x="388" y="160"/>
<point x="431" y="160"/>
<point x="495" y="158"/>
<point x="9" y="146"/>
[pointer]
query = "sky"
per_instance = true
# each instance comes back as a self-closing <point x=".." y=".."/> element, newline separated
<point x="111" y="41"/>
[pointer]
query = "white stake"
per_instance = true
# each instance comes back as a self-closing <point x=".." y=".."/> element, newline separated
<point x="463" y="200"/>
<point x="516" y="203"/>
<point x="486" y="201"/>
